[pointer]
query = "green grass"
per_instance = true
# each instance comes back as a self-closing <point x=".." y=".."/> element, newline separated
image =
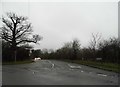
<point x="101" y="65"/>
<point x="17" y="62"/>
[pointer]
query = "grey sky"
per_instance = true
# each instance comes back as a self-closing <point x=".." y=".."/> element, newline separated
<point x="60" y="22"/>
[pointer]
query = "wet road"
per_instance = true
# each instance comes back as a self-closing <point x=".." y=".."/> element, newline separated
<point x="52" y="72"/>
<point x="0" y="75"/>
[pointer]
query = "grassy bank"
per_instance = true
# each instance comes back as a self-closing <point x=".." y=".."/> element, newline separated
<point x="101" y="65"/>
<point x="17" y="62"/>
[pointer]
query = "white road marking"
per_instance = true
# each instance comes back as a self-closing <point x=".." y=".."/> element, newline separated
<point x="51" y="64"/>
<point x="33" y="72"/>
<point x="82" y="71"/>
<point x="75" y="67"/>
<point x="102" y="75"/>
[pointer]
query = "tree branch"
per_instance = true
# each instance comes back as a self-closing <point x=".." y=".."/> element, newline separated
<point x="7" y="23"/>
<point x="24" y="41"/>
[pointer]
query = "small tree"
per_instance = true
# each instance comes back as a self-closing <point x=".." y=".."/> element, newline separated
<point x="94" y="43"/>
<point x="75" y="48"/>
<point x="16" y="30"/>
<point x="71" y="49"/>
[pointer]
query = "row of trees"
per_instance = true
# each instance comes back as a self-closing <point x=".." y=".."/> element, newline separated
<point x="16" y="33"/>
<point x="106" y="50"/>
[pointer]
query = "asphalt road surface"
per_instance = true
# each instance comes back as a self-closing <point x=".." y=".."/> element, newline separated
<point x="53" y="72"/>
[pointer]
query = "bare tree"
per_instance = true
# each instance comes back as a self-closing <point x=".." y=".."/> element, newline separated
<point x="16" y="30"/>
<point x="94" y="43"/>
<point x="110" y="49"/>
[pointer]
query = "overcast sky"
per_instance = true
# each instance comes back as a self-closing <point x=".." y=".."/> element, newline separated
<point x="59" y="22"/>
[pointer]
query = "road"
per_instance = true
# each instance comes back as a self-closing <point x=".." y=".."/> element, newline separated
<point x="53" y="72"/>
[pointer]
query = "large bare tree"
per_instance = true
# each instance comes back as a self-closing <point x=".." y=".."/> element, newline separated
<point x="17" y="30"/>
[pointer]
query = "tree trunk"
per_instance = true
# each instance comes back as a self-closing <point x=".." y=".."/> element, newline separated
<point x="14" y="50"/>
<point x="15" y="55"/>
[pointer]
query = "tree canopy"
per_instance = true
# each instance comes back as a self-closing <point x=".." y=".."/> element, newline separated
<point x="17" y="30"/>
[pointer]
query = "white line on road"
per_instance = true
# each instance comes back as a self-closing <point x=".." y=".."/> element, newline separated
<point x="51" y="64"/>
<point x="74" y="67"/>
<point x="33" y="72"/>
<point x="102" y="75"/>
<point x="82" y="71"/>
